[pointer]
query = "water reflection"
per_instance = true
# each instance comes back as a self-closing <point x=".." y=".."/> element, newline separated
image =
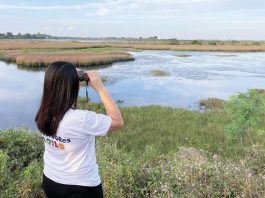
<point x="197" y="76"/>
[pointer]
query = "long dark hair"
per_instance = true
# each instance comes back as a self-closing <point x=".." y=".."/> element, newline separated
<point x="60" y="92"/>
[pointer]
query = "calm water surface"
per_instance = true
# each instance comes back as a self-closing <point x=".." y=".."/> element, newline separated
<point x="202" y="75"/>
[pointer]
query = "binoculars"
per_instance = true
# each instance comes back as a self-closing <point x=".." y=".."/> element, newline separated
<point x="83" y="75"/>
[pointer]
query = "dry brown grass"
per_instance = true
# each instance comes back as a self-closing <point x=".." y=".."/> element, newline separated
<point x="33" y="44"/>
<point x="224" y="48"/>
<point x="79" y="59"/>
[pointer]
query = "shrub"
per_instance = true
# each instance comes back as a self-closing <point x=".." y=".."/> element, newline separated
<point x="29" y="183"/>
<point x="247" y="114"/>
<point x="189" y="173"/>
<point x="21" y="146"/>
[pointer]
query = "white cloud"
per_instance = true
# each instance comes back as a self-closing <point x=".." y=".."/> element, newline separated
<point x="60" y="29"/>
<point x="45" y="28"/>
<point x="107" y="4"/>
<point x="71" y="27"/>
<point x="172" y="2"/>
<point x="103" y="12"/>
<point x="54" y="7"/>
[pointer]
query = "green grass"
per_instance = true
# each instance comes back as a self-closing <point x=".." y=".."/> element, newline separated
<point x="165" y="129"/>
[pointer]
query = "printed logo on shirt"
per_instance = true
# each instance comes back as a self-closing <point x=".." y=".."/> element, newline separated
<point x="56" y="141"/>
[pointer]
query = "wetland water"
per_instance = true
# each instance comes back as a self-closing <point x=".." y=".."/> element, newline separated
<point x="198" y="76"/>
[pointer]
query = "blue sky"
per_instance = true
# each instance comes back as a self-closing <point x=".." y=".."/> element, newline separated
<point x="182" y="19"/>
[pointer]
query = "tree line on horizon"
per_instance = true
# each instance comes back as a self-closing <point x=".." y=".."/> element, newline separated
<point x="10" y="35"/>
<point x="172" y="41"/>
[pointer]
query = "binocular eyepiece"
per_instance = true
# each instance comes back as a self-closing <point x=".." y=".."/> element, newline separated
<point x="83" y="75"/>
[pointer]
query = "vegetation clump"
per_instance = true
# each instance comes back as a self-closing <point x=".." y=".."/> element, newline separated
<point x="183" y="55"/>
<point x="78" y="59"/>
<point x="226" y="55"/>
<point x="158" y="72"/>
<point x="212" y="104"/>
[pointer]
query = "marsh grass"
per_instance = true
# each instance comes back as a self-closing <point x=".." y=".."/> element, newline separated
<point x="163" y="129"/>
<point x="87" y="57"/>
<point x="79" y="59"/>
<point x="226" y="55"/>
<point x="183" y="55"/>
<point x="157" y="72"/>
<point x="203" y="47"/>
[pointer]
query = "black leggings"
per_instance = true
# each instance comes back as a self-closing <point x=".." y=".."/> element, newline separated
<point x="56" y="190"/>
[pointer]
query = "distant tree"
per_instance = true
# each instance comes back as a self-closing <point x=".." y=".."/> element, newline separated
<point x="196" y="42"/>
<point x="212" y="43"/>
<point x="173" y="41"/>
<point x="152" y="38"/>
<point x="9" y="35"/>
<point x="27" y="36"/>
<point x="256" y="43"/>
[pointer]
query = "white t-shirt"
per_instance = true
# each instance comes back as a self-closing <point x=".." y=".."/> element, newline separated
<point x="70" y="157"/>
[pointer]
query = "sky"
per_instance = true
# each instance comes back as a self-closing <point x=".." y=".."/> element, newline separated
<point x="181" y="19"/>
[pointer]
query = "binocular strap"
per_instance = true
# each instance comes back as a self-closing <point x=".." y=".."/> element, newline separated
<point x="86" y="91"/>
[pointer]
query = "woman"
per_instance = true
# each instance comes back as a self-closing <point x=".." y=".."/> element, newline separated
<point x="70" y="167"/>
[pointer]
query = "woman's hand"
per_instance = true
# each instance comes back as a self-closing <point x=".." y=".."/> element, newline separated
<point x="95" y="81"/>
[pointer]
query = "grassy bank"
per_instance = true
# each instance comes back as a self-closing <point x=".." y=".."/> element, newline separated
<point x="79" y="59"/>
<point x="161" y="152"/>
